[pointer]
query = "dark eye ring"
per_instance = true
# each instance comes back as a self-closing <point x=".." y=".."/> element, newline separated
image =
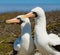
<point x="20" y="20"/>
<point x="35" y="14"/>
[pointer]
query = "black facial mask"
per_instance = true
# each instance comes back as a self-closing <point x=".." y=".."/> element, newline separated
<point x="20" y="20"/>
<point x="35" y="14"/>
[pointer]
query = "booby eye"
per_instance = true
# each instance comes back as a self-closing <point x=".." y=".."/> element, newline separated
<point x="20" y="20"/>
<point x="35" y="14"/>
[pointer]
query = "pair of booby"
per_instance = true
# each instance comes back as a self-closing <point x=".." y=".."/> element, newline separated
<point x="45" y="43"/>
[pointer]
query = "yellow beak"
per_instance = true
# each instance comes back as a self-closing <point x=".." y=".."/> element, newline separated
<point x="30" y="15"/>
<point x="14" y="20"/>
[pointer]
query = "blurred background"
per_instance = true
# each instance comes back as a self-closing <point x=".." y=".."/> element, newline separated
<point x="11" y="8"/>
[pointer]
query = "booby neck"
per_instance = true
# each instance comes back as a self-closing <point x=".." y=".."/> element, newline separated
<point x="40" y="22"/>
<point x="26" y="27"/>
<point x="40" y="26"/>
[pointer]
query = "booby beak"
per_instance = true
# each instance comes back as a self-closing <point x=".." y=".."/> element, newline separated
<point x="13" y="20"/>
<point x="31" y="15"/>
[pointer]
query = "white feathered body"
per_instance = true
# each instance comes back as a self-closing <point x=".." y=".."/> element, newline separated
<point x="42" y="39"/>
<point x="25" y="45"/>
<point x="45" y="42"/>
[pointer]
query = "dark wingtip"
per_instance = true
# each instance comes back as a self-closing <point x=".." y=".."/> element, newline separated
<point x="57" y="47"/>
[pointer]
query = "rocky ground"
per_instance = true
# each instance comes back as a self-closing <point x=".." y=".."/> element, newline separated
<point x="9" y="32"/>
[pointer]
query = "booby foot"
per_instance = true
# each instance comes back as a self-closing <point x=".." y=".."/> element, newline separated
<point x="37" y="52"/>
<point x="13" y="52"/>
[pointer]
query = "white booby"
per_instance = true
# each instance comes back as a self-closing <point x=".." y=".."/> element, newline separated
<point x="46" y="43"/>
<point x="24" y="44"/>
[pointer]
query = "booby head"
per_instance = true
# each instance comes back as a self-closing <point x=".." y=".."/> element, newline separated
<point x="23" y="19"/>
<point x="38" y="11"/>
<point x="39" y="14"/>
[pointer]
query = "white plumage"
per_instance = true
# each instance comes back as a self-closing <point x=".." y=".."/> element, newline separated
<point x="54" y="39"/>
<point x="24" y="44"/>
<point x="37" y="53"/>
<point x="44" y="42"/>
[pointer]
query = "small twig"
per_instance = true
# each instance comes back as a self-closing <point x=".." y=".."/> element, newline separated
<point x="2" y="41"/>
